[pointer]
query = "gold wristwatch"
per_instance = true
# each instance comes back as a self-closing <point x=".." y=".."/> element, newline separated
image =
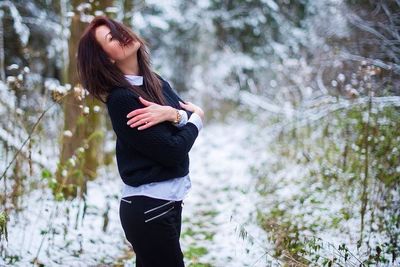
<point x="178" y="117"/>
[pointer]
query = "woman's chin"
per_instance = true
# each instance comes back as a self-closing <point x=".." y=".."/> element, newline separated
<point x="133" y="50"/>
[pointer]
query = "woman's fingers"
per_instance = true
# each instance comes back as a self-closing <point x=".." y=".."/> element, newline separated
<point x="152" y="114"/>
<point x="139" y="119"/>
<point x="145" y="102"/>
<point x="136" y="118"/>
<point x="189" y="106"/>
<point x="146" y="125"/>
<point x="136" y="112"/>
<point x="142" y="122"/>
<point x="185" y="106"/>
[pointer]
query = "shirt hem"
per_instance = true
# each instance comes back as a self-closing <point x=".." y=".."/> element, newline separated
<point x="155" y="196"/>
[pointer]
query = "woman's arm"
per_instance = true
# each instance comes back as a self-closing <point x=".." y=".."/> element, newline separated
<point x="156" y="142"/>
<point x="196" y="119"/>
<point x="154" y="113"/>
<point x="188" y="113"/>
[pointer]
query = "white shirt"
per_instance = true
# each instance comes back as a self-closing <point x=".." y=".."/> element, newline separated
<point x="172" y="189"/>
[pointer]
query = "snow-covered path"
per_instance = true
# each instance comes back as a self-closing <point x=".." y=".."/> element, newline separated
<point x="221" y="201"/>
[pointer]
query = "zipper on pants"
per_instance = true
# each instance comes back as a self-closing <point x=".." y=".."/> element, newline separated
<point x="127" y="201"/>
<point x="165" y="212"/>
<point x="156" y="208"/>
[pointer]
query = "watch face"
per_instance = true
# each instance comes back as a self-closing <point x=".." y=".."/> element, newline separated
<point x="178" y="117"/>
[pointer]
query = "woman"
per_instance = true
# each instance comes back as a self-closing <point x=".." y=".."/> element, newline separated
<point x="154" y="137"/>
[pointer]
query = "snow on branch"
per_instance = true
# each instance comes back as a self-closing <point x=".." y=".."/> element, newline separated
<point x="20" y="28"/>
<point x="375" y="62"/>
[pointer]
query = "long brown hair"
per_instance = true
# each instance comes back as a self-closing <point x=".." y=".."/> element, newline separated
<point x="99" y="76"/>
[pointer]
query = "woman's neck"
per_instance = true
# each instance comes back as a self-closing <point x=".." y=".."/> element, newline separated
<point x="129" y="66"/>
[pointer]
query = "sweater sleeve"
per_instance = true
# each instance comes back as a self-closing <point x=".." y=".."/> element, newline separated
<point x="157" y="142"/>
<point x="189" y="113"/>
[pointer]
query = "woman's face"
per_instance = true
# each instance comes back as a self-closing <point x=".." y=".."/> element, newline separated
<point x="112" y="47"/>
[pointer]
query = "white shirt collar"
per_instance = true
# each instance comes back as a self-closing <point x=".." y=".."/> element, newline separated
<point x="134" y="79"/>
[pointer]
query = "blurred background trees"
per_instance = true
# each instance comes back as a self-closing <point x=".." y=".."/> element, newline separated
<point x="321" y="78"/>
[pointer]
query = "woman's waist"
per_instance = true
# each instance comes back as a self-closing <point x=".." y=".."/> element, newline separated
<point x="175" y="188"/>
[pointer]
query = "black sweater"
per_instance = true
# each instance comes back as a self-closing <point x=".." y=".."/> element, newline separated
<point x="154" y="154"/>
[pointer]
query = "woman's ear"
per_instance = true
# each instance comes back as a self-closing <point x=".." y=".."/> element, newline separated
<point x="112" y="61"/>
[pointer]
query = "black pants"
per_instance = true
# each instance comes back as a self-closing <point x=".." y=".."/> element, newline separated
<point x="153" y="227"/>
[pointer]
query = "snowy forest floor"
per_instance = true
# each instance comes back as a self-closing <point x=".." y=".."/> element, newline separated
<point x="218" y="214"/>
<point x="222" y="202"/>
<point x="249" y="195"/>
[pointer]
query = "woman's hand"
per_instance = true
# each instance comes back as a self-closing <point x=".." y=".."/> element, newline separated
<point x="151" y="115"/>
<point x="193" y="108"/>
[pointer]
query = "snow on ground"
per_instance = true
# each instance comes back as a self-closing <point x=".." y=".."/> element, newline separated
<point x="223" y="191"/>
<point x="59" y="234"/>
<point x="220" y="203"/>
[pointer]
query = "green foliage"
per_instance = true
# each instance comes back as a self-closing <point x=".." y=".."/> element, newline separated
<point x="352" y="156"/>
<point x="3" y="225"/>
<point x="46" y="174"/>
<point x="194" y="252"/>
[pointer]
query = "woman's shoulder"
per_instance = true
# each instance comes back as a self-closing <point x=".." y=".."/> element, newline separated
<point x="121" y="101"/>
<point x="163" y="80"/>
<point x="158" y="75"/>
<point x="120" y="93"/>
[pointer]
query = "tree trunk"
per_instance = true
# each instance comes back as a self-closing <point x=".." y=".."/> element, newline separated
<point x="81" y="151"/>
